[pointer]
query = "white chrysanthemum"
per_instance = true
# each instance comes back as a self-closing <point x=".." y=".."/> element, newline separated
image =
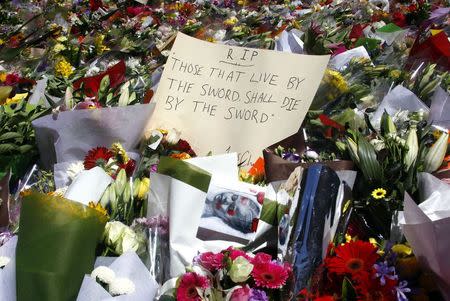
<point x="74" y="169"/>
<point x="4" y="261"/>
<point x="103" y="274"/>
<point x="312" y="155"/>
<point x="121" y="286"/>
<point x="220" y="35"/>
<point x="173" y="136"/>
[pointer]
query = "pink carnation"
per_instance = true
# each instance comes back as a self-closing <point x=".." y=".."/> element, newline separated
<point x="235" y="253"/>
<point x="189" y="285"/>
<point x="210" y="261"/>
<point x="269" y="274"/>
<point x="261" y="259"/>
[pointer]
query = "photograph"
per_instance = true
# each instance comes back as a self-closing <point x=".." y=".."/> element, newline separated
<point x="230" y="213"/>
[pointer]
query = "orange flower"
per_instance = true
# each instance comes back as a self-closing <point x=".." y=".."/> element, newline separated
<point x="181" y="156"/>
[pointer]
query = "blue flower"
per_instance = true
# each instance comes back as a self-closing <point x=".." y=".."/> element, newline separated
<point x="383" y="271"/>
<point x="401" y="289"/>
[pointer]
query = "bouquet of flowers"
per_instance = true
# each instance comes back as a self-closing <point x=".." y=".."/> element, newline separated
<point x="230" y="275"/>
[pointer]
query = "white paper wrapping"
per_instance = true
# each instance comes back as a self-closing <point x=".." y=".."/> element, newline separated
<point x="289" y="41"/>
<point x="185" y="205"/>
<point x="8" y="273"/>
<point x="88" y="186"/>
<point x="440" y="106"/>
<point x="129" y="266"/>
<point x="399" y="98"/>
<point x="340" y="61"/>
<point x="71" y="134"/>
<point x="426" y="227"/>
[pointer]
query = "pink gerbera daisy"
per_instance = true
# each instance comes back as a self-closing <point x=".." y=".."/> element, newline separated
<point x="190" y="284"/>
<point x="270" y="274"/>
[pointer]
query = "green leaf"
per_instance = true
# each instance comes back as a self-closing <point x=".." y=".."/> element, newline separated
<point x="10" y="135"/>
<point x="368" y="162"/>
<point x="269" y="212"/>
<point x="25" y="148"/>
<point x="348" y="291"/>
<point x="7" y="147"/>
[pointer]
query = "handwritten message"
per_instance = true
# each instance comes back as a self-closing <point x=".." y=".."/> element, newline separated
<point x="234" y="99"/>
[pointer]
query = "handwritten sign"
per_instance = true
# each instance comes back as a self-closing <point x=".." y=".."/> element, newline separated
<point x="234" y="99"/>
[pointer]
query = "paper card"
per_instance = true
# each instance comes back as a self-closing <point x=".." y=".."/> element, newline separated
<point x="88" y="186"/>
<point x="231" y="213"/>
<point x="233" y="99"/>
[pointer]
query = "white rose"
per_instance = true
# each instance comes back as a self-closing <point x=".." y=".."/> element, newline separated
<point x="173" y="136"/>
<point x="113" y="232"/>
<point x="129" y="241"/>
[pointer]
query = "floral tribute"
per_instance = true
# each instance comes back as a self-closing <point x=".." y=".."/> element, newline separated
<point x="234" y="275"/>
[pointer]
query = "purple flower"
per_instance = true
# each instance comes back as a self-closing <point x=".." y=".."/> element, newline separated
<point x="158" y="224"/>
<point x="154" y="168"/>
<point x="383" y="271"/>
<point x="258" y="295"/>
<point x="401" y="289"/>
<point x="292" y="157"/>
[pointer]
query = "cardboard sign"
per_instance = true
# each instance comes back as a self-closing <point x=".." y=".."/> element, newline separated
<point x="234" y="99"/>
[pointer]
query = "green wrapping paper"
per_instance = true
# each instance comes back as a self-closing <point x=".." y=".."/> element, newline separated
<point x="56" y="247"/>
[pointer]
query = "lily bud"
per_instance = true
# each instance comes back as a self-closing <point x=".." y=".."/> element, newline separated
<point x="413" y="147"/>
<point x="436" y="153"/>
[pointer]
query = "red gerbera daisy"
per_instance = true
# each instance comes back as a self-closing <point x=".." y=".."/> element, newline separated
<point x="354" y="258"/>
<point x="270" y="275"/>
<point x="98" y="156"/>
<point x="189" y="285"/>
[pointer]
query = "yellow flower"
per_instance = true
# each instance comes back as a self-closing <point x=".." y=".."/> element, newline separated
<point x="402" y="250"/>
<point x="25" y="193"/>
<point x="98" y="42"/>
<point x="230" y="21"/>
<point x="395" y="74"/>
<point x="210" y="39"/>
<point x="61" y="39"/>
<point x="120" y="152"/>
<point x="348" y="238"/>
<point x="17" y="98"/>
<point x="238" y="28"/>
<point x="164" y="132"/>
<point x="98" y="207"/>
<point x="2" y="76"/>
<point x="2" y="42"/>
<point x="63" y="68"/>
<point x="379" y="193"/>
<point x="144" y="186"/>
<point x="242" y="2"/>
<point x="58" y="48"/>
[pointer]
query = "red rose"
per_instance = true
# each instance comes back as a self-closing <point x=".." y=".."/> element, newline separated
<point x="399" y="19"/>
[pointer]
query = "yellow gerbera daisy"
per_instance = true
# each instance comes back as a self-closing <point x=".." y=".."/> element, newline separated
<point x="98" y="207"/>
<point x="379" y="193"/>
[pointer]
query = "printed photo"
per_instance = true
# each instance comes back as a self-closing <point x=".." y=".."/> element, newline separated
<point x="230" y="214"/>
